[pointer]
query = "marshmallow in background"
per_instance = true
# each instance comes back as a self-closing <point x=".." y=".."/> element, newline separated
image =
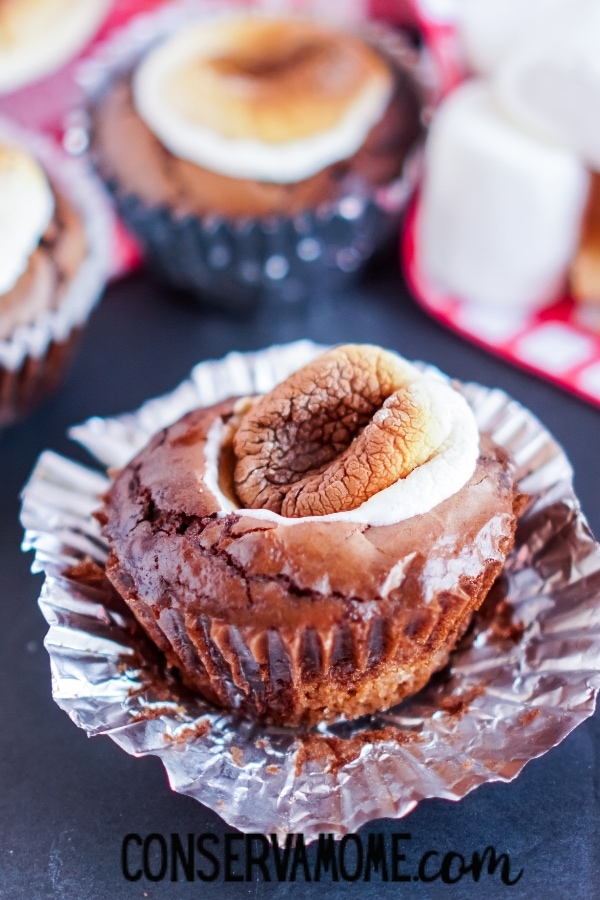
<point x="250" y="156"/>
<point x="491" y="30"/>
<point x="26" y="208"/>
<point x="500" y="209"/>
<point x="551" y="84"/>
<point x="36" y="38"/>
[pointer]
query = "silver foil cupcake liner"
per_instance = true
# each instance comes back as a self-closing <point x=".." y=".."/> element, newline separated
<point x="523" y="677"/>
<point x="34" y="358"/>
<point x="236" y="264"/>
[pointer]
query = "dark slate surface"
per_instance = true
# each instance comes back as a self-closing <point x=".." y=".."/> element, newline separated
<point x="66" y="802"/>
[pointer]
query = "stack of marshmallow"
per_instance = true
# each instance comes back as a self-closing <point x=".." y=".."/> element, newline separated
<point x="511" y="201"/>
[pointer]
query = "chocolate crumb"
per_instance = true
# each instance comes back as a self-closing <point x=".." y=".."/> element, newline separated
<point x="502" y="627"/>
<point x="337" y="752"/>
<point x="458" y="704"/>
<point x="159" y="691"/>
<point x="154" y="712"/>
<point x="237" y="756"/>
<point x="528" y="716"/>
<point x="188" y="734"/>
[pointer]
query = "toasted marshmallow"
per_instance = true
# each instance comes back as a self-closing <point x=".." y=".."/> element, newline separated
<point x="263" y="98"/>
<point x="38" y="36"/>
<point x="491" y="30"/>
<point x="26" y="208"/>
<point x="441" y="476"/>
<point x="500" y="209"/>
<point x="551" y="84"/>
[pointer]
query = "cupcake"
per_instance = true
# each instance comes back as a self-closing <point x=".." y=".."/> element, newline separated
<point x="317" y="551"/>
<point x="38" y="36"/>
<point x="252" y="154"/>
<point x="52" y="267"/>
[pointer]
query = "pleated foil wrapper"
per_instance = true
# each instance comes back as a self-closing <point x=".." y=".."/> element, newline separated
<point x="525" y="674"/>
<point x="237" y="264"/>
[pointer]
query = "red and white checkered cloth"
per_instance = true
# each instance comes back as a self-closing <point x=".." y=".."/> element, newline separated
<point x="551" y="343"/>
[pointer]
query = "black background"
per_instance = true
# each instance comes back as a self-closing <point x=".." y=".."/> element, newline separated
<point x="67" y="801"/>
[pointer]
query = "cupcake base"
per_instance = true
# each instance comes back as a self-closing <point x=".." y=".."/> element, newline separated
<point x="237" y="265"/>
<point x="22" y="389"/>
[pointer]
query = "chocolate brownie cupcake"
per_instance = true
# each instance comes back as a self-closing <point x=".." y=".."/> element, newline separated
<point x="252" y="153"/>
<point x="315" y="552"/>
<point x="52" y="266"/>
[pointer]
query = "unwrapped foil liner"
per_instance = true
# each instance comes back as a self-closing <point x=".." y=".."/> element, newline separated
<point x="237" y="263"/>
<point x="524" y="676"/>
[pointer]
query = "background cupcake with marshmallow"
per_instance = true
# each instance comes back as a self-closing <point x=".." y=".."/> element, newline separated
<point x="254" y="154"/>
<point x="53" y="264"/>
<point x="39" y="36"/>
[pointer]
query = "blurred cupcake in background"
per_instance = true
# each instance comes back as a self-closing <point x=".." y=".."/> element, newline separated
<point x="39" y="36"/>
<point x="254" y="154"/>
<point x="53" y="262"/>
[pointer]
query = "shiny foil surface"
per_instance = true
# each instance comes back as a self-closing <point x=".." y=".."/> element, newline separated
<point x="522" y="678"/>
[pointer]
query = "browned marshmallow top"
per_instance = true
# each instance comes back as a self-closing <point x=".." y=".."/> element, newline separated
<point x="275" y="80"/>
<point x="334" y="434"/>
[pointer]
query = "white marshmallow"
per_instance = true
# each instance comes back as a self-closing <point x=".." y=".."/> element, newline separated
<point x="500" y="209"/>
<point x="442" y="476"/>
<point x="26" y="208"/>
<point x="551" y="84"/>
<point x="244" y="158"/>
<point x="39" y="52"/>
<point x="491" y="30"/>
